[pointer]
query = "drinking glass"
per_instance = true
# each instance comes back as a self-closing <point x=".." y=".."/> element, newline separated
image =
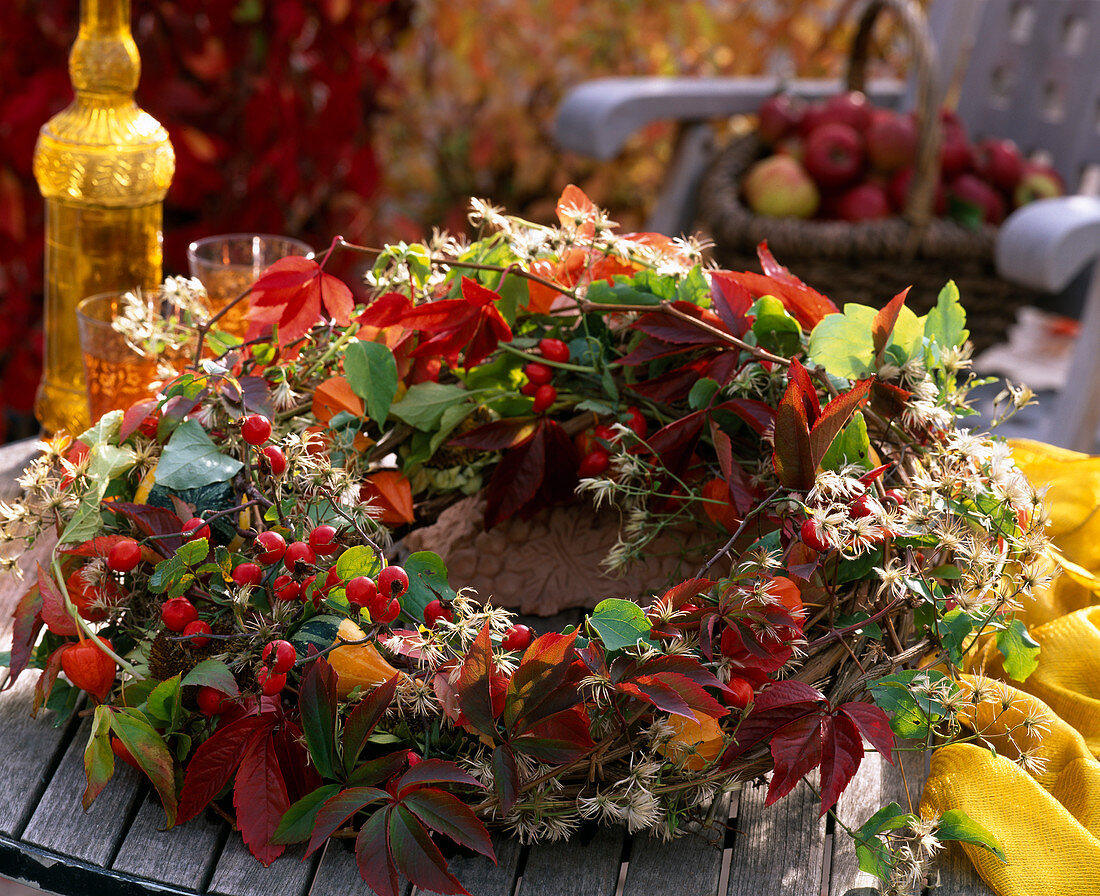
<point x="119" y="368"/>
<point x="229" y="263"/>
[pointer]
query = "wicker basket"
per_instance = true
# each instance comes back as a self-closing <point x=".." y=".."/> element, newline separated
<point x="871" y="261"/>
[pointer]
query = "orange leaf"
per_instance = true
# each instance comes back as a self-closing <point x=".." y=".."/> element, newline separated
<point x="333" y="396"/>
<point x="390" y="491"/>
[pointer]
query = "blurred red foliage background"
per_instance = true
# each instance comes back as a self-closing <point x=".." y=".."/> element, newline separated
<point x="374" y="119"/>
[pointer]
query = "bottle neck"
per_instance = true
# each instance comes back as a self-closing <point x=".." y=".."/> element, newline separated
<point x="104" y="61"/>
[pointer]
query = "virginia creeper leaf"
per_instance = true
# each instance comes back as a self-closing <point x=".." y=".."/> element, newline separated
<point x="296" y="825"/>
<point x="151" y="753"/>
<point x="261" y="800"/>
<point x="99" y="758"/>
<point x="317" y="702"/>
<point x="446" y="814"/>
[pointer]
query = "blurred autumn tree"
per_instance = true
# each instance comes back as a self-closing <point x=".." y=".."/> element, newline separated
<point x="376" y="120"/>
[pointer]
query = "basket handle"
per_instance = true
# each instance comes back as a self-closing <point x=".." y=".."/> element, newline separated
<point x="922" y="189"/>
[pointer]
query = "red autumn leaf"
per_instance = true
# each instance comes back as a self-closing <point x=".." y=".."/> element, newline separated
<point x="576" y="211"/>
<point x="470" y="327"/>
<point x="653" y="349"/>
<point x="416" y="856"/>
<point x="873" y="724"/>
<point x="261" y="799"/>
<point x="505" y="777"/>
<point x="336" y="810"/>
<point x="889" y="400"/>
<point x="535" y="473"/>
<point x="433" y="771"/>
<point x="686" y="592"/>
<point x="883" y="324"/>
<point x="446" y="814"/>
<point x="805" y="303"/>
<point x="25" y="627"/>
<point x="798" y="373"/>
<point x="541" y="685"/>
<point x="334" y="396"/>
<point x="215" y="761"/>
<point x="291" y="293"/>
<point x="563" y="737"/>
<point x="834" y="417"/>
<point x="390" y="491"/>
<point x="777" y="704"/>
<point x="792" y="458"/>
<point x="732" y="301"/>
<point x="164" y="525"/>
<point x="385" y="311"/>
<point x="44" y="685"/>
<point x="299" y="772"/>
<point x="673" y="693"/>
<point x="54" y="614"/>
<point x="497" y="435"/>
<point x="758" y="415"/>
<point x="674" y="444"/>
<point x="134" y="416"/>
<point x="826" y="740"/>
<point x="664" y="326"/>
<point x="473" y="686"/>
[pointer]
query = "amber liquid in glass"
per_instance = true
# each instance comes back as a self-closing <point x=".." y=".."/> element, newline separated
<point x="114" y="386"/>
<point x="103" y="166"/>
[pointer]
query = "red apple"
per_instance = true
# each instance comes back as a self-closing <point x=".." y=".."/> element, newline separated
<point x="850" y="108"/>
<point x="863" y="202"/>
<point x="972" y="198"/>
<point x="898" y="191"/>
<point x="779" y="187"/>
<point x="999" y="162"/>
<point x="956" y="154"/>
<point x="834" y="155"/>
<point x="891" y="141"/>
<point x="779" y="116"/>
<point x="1037" y="181"/>
<point x="813" y="116"/>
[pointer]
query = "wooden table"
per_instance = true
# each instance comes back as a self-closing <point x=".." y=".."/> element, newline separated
<point x="48" y="841"/>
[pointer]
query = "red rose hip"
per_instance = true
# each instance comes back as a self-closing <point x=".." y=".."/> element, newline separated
<point x="124" y="556"/>
<point x="279" y="656"/>
<point x="255" y="429"/>
<point x="177" y="613"/>
<point x="272" y="547"/>
<point x="393" y="581"/>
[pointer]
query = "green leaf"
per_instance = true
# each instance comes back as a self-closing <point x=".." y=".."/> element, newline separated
<point x="874" y="858"/>
<point x="908" y="335"/>
<point x="955" y="824"/>
<point x="1020" y="650"/>
<point x="151" y="753"/>
<point x="451" y="417"/>
<point x="905" y="698"/>
<point x="105" y="462"/>
<point x="371" y="372"/>
<point x="424" y="404"/>
<point x="191" y="460"/>
<point x="174" y="575"/>
<point x="62" y="702"/>
<point x="955" y="629"/>
<point x="619" y="623"/>
<point x="622" y="293"/>
<point x="693" y="288"/>
<point x="945" y="325"/>
<point x="359" y="560"/>
<point x="163" y="704"/>
<point x="702" y="392"/>
<point x="774" y="328"/>
<point x="844" y="343"/>
<point x="214" y="674"/>
<point x="103" y="431"/>
<point x="99" y="758"/>
<point x="853" y="446"/>
<point x="427" y="581"/>
<point x="297" y="823"/>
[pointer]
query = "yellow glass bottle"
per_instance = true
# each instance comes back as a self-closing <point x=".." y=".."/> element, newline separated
<point x="103" y="166"/>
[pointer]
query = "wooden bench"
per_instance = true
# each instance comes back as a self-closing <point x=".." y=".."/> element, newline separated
<point x="48" y="841"/>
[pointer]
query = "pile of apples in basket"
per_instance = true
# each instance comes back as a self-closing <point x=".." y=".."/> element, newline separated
<point x="845" y="159"/>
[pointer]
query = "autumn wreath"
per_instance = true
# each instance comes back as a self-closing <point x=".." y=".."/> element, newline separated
<point x="221" y="588"/>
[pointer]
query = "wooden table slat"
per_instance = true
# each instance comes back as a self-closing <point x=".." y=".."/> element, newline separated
<point x="573" y="868"/>
<point x="184" y="856"/>
<point x="60" y="823"/>
<point x="239" y="874"/>
<point x="777" y="849"/>
<point x="690" y="865"/>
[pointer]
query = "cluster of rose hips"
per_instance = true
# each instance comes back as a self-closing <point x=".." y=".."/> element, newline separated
<point x="539" y="375"/>
<point x="592" y="444"/>
<point x="256" y="430"/>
